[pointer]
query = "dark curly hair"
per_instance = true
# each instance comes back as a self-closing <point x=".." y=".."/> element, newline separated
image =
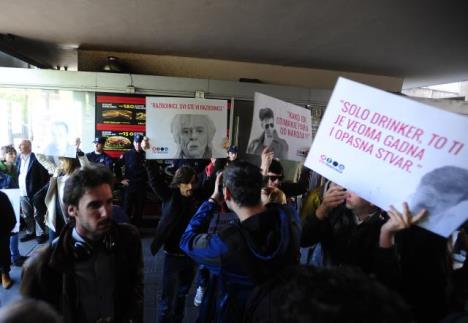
<point x="84" y="179"/>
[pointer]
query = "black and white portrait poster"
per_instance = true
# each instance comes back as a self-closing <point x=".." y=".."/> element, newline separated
<point x="283" y="127"/>
<point x="186" y="128"/>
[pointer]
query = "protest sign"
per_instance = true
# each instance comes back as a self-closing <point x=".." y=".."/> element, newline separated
<point x="389" y="149"/>
<point x="185" y="128"/>
<point x="59" y="118"/>
<point x="283" y="127"/>
<point x="14" y="197"/>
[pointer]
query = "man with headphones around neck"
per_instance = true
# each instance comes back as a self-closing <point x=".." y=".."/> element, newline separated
<point x="93" y="272"/>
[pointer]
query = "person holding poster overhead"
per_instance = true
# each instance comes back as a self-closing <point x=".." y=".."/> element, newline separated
<point x="269" y="137"/>
<point x="193" y="134"/>
<point x="354" y="232"/>
<point x="180" y="200"/>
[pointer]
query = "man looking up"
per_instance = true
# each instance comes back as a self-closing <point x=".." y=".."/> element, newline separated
<point x="93" y="272"/>
<point x="32" y="177"/>
<point x="250" y="252"/>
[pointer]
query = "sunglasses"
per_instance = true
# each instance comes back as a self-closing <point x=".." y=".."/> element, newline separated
<point x="269" y="125"/>
<point x="274" y="177"/>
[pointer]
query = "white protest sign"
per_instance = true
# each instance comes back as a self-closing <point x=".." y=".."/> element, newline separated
<point x="283" y="127"/>
<point x="14" y="197"/>
<point x="389" y="149"/>
<point x="184" y="128"/>
<point x="59" y="118"/>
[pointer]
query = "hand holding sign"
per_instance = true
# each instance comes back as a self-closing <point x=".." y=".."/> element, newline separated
<point x="334" y="196"/>
<point x="398" y="222"/>
<point x="371" y="142"/>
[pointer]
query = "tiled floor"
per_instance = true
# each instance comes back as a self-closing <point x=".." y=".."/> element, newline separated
<point x="153" y="272"/>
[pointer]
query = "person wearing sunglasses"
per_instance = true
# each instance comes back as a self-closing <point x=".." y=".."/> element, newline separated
<point x="273" y="176"/>
<point x="269" y="137"/>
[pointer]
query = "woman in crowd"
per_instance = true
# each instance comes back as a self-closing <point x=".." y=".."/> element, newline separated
<point x="57" y="215"/>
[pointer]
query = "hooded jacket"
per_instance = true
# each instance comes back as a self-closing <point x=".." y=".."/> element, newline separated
<point x="243" y="255"/>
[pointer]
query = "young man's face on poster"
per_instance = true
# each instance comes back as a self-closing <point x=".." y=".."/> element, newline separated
<point x="268" y="126"/>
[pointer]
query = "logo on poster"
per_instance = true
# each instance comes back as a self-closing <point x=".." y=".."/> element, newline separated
<point x="160" y="150"/>
<point x="333" y="164"/>
<point x="302" y="152"/>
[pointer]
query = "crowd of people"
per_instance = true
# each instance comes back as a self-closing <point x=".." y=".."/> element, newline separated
<point x="235" y="230"/>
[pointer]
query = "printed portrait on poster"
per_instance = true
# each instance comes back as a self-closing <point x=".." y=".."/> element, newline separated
<point x="282" y="127"/>
<point x="193" y="133"/>
<point x="181" y="128"/>
<point x="269" y="136"/>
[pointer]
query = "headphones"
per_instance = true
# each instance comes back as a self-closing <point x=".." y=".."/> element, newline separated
<point x="83" y="250"/>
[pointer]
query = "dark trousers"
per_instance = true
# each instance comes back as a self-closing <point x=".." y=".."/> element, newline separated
<point x="5" y="261"/>
<point x="133" y="204"/>
<point x="33" y="219"/>
<point x="178" y="274"/>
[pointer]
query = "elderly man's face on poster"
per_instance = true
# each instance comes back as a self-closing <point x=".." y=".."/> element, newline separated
<point x="268" y="126"/>
<point x="193" y="136"/>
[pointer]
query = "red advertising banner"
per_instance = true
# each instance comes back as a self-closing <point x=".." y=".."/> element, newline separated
<point x="118" y="118"/>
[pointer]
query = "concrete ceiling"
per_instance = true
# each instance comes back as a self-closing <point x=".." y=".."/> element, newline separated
<point x="424" y="42"/>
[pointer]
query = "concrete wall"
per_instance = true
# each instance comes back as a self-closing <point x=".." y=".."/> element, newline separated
<point x="214" y="69"/>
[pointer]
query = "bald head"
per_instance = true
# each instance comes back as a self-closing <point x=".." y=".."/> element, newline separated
<point x="25" y="147"/>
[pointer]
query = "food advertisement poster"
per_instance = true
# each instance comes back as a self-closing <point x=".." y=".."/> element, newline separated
<point x="389" y="149"/>
<point x="283" y="127"/>
<point x="118" y="118"/>
<point x="186" y="128"/>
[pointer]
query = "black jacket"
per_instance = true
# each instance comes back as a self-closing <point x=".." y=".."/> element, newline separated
<point x="37" y="176"/>
<point x="346" y="243"/>
<point x="7" y="223"/>
<point x="176" y="212"/>
<point x="48" y="275"/>
<point x="134" y="163"/>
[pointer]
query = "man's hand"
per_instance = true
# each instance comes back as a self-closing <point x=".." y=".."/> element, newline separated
<point x="398" y="222"/>
<point x="267" y="157"/>
<point x="333" y="197"/>
<point x="125" y="182"/>
<point x="216" y="196"/>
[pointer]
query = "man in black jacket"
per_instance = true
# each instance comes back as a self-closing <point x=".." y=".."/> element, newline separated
<point x="93" y="272"/>
<point x="134" y="180"/>
<point x="32" y="177"/>
<point x="179" y="203"/>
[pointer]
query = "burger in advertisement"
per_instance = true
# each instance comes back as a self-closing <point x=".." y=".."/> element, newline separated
<point x="117" y="143"/>
<point x="117" y="114"/>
